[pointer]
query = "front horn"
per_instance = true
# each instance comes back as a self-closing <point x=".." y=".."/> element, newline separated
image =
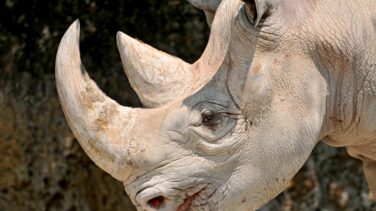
<point x="102" y="126"/>
<point x="157" y="77"/>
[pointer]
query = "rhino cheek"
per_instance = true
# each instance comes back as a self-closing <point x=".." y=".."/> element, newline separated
<point x="286" y="125"/>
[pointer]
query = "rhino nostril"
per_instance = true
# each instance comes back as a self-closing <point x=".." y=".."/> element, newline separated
<point x="156" y="202"/>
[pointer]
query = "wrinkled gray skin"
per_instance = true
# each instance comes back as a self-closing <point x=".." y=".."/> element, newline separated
<point x="229" y="131"/>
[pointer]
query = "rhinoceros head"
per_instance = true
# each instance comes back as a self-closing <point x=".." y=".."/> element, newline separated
<point x="227" y="132"/>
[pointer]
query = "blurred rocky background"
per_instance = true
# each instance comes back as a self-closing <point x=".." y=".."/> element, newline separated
<point x="42" y="167"/>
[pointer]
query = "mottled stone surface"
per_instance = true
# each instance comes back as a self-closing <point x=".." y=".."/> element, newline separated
<point x="42" y="167"/>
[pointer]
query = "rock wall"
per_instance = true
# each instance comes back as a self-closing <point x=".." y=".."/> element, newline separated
<point x="42" y="167"/>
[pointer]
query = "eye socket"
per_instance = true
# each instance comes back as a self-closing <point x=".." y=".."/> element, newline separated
<point x="251" y="10"/>
<point x="212" y="121"/>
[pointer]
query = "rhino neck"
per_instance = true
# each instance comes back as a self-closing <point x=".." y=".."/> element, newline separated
<point x="352" y="104"/>
<point x="351" y="108"/>
<point x="347" y="58"/>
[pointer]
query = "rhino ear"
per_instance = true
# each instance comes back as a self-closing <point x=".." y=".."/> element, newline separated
<point x="208" y="6"/>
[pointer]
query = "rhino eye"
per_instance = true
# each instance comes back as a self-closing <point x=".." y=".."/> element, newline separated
<point x="251" y="10"/>
<point x="207" y="116"/>
<point x="210" y="119"/>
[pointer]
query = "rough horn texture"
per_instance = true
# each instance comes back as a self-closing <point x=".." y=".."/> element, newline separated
<point x="44" y="168"/>
<point x="100" y="124"/>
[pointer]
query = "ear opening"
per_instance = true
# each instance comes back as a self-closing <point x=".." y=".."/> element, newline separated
<point x="262" y="10"/>
<point x="261" y="7"/>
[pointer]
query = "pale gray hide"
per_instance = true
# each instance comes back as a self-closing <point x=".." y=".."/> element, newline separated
<point x="231" y="130"/>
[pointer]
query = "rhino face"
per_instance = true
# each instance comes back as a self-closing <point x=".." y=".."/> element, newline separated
<point x="227" y="132"/>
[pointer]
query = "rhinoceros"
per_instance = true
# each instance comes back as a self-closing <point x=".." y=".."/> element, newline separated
<point x="230" y="131"/>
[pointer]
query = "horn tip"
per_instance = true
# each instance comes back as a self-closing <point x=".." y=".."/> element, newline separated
<point x="77" y="23"/>
<point x="122" y="38"/>
<point x="73" y="31"/>
<point x="68" y="51"/>
<point x="75" y="26"/>
<point x="119" y="34"/>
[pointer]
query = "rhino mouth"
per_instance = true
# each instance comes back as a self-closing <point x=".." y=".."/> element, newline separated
<point x="186" y="206"/>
